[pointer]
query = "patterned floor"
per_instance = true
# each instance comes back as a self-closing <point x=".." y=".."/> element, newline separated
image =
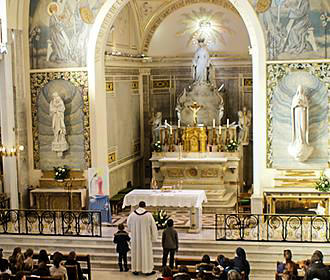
<point x="181" y="218"/>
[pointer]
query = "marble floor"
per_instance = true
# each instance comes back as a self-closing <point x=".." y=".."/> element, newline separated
<point x="109" y="274"/>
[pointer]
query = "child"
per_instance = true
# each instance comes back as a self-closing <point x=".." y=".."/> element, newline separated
<point x="170" y="243"/>
<point x="122" y="239"/>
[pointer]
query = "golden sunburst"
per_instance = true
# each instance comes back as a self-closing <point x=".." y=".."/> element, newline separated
<point x="205" y="24"/>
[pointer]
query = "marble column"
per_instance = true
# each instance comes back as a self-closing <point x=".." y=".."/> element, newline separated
<point x="144" y="91"/>
<point x="8" y="118"/>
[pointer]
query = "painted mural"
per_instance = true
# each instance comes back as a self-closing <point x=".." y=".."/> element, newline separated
<point x="59" y="32"/>
<point x="317" y="96"/>
<point x="295" y="29"/>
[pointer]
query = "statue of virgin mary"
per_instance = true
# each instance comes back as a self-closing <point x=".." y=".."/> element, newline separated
<point x="299" y="147"/>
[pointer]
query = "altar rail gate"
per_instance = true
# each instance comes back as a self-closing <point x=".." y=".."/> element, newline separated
<point x="49" y="222"/>
<point x="274" y="228"/>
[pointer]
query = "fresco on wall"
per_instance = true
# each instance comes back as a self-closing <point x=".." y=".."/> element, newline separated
<point x="59" y="32"/>
<point x="295" y="29"/>
<point x="317" y="95"/>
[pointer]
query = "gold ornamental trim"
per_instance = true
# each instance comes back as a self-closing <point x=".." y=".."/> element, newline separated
<point x="37" y="82"/>
<point x="263" y="6"/>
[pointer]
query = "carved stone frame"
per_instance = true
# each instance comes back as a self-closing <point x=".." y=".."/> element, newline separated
<point x="275" y="73"/>
<point x="38" y="81"/>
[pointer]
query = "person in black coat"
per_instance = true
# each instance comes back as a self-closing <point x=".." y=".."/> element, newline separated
<point x="121" y="239"/>
<point x="72" y="260"/>
<point x="317" y="269"/>
<point x="240" y="263"/>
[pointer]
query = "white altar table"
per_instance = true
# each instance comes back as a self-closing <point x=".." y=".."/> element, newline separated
<point x="192" y="199"/>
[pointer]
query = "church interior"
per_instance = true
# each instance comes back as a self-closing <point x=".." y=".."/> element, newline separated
<point x="213" y="112"/>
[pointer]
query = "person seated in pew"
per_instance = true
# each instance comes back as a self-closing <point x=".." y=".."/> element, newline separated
<point x="287" y="275"/>
<point x="205" y="275"/>
<point x="288" y="264"/>
<point x="42" y="270"/>
<point x="20" y="275"/>
<point x="240" y="262"/>
<point x="234" y="275"/>
<point x="224" y="265"/>
<point x="317" y="269"/>
<point x="216" y="273"/>
<point x="72" y="260"/>
<point x="43" y="256"/>
<point x="28" y="262"/>
<point x="58" y="270"/>
<point x="183" y="274"/>
<point x="205" y="265"/>
<point x="16" y="260"/>
<point x="4" y="265"/>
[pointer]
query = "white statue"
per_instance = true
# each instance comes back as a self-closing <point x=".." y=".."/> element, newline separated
<point x="56" y="110"/>
<point x="244" y="123"/>
<point x="156" y="121"/>
<point x="201" y="63"/>
<point x="299" y="147"/>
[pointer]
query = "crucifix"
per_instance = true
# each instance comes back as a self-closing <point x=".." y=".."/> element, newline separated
<point x="195" y="108"/>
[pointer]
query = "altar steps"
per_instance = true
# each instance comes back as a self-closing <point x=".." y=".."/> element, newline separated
<point x="261" y="255"/>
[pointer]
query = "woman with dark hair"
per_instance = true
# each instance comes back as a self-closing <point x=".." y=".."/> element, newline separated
<point x="16" y="260"/>
<point x="43" y="257"/>
<point x="58" y="269"/>
<point x="42" y="270"/>
<point x="20" y="276"/>
<point x="28" y="262"/>
<point x="240" y="263"/>
<point x="205" y="265"/>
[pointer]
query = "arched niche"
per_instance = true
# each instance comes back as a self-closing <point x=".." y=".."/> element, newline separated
<point x="95" y="63"/>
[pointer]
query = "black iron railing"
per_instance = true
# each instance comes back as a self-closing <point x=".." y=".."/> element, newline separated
<point x="48" y="222"/>
<point x="288" y="228"/>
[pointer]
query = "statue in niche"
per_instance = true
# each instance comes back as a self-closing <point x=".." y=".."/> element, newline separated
<point x="299" y="147"/>
<point x="221" y="110"/>
<point x="179" y="105"/>
<point x="56" y="110"/>
<point x="201" y="63"/>
<point x="195" y="108"/>
<point x="156" y="121"/>
<point x="244" y="123"/>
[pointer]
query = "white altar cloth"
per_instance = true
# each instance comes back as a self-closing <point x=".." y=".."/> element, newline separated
<point x="192" y="199"/>
<point x="174" y="198"/>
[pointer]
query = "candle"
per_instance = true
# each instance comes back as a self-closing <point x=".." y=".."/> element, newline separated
<point x="171" y="130"/>
<point x="213" y="123"/>
<point x="227" y="123"/>
<point x="165" y="122"/>
<point x="219" y="129"/>
<point x="179" y="122"/>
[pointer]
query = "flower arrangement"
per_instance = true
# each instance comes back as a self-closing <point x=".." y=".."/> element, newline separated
<point x="61" y="173"/>
<point x="232" y="146"/>
<point x="323" y="184"/>
<point x="157" y="147"/>
<point x="161" y="218"/>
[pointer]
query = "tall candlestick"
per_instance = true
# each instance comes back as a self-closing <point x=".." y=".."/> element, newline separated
<point x="227" y="123"/>
<point x="213" y="123"/>
<point x="219" y="129"/>
<point x="171" y="130"/>
<point x="165" y="122"/>
<point x="179" y="123"/>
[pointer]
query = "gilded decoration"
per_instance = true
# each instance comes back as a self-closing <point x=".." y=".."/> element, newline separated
<point x="161" y="84"/>
<point x="193" y="172"/>
<point x="135" y="85"/>
<point x="263" y="5"/>
<point x="248" y="82"/>
<point x="38" y="81"/>
<point x="175" y="172"/>
<point x="275" y="73"/>
<point x="112" y="157"/>
<point x="109" y="86"/>
<point x="209" y="173"/>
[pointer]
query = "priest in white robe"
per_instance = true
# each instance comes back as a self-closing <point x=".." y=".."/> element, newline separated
<point x="143" y="230"/>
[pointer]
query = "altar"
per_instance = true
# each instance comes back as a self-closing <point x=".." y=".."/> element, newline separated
<point x="192" y="199"/>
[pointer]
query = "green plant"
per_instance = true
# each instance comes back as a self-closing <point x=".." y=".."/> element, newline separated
<point x="161" y="218"/>
<point x="61" y="173"/>
<point x="232" y="146"/>
<point x="323" y="184"/>
<point x="157" y="147"/>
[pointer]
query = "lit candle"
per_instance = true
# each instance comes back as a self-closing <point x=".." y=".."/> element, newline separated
<point x="213" y="123"/>
<point x="227" y="123"/>
<point x="165" y="122"/>
<point x="179" y="123"/>
<point x="219" y="129"/>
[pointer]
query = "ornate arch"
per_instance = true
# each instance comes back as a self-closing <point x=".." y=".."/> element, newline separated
<point x="95" y="63"/>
